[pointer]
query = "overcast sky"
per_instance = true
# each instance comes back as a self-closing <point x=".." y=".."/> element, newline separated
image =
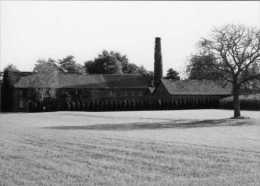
<point x="33" y="30"/>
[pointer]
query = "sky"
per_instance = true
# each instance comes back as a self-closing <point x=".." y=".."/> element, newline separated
<point x="39" y="30"/>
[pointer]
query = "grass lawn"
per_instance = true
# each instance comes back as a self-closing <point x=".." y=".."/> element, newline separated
<point x="181" y="147"/>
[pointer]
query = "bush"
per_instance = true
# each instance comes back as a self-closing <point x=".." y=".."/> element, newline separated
<point x="247" y="102"/>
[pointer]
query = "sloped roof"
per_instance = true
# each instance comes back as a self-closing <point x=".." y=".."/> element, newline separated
<point x="61" y="80"/>
<point x="195" y="87"/>
<point x="38" y="80"/>
<point x="14" y="76"/>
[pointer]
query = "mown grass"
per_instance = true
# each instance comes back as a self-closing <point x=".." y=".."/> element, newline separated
<point x="155" y="125"/>
<point x="36" y="154"/>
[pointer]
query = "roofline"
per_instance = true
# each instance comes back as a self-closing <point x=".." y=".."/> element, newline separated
<point x="156" y="88"/>
<point x="84" y="87"/>
<point x="200" y="94"/>
<point x="163" y="83"/>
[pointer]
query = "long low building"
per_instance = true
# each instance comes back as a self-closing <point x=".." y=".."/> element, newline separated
<point x="58" y="91"/>
<point x="29" y="92"/>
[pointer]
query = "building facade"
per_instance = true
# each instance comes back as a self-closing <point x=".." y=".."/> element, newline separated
<point x="59" y="91"/>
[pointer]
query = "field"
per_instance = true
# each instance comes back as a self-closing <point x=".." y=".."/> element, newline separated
<point x="184" y="147"/>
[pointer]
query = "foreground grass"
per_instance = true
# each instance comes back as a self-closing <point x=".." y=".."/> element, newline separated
<point x="42" y="154"/>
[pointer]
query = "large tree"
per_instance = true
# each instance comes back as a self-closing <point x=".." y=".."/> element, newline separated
<point x="172" y="74"/>
<point x="236" y="49"/>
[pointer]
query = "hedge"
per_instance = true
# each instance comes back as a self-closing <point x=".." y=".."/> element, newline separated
<point x="247" y="102"/>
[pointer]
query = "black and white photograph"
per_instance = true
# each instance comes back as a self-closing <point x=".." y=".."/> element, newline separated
<point x="129" y="93"/>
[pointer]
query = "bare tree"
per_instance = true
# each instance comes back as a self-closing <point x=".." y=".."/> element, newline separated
<point x="237" y="49"/>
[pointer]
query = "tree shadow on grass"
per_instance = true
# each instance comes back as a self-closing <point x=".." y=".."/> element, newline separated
<point x="156" y="125"/>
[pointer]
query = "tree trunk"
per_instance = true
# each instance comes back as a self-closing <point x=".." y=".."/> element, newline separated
<point x="236" y="101"/>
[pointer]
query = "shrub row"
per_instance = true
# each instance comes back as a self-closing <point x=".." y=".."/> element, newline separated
<point x="247" y="102"/>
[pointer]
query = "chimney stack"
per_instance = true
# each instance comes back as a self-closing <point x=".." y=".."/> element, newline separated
<point x="157" y="62"/>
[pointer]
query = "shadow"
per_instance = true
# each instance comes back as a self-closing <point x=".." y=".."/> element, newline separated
<point x="156" y="125"/>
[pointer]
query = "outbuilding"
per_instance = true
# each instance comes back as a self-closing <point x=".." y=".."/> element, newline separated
<point x="190" y="93"/>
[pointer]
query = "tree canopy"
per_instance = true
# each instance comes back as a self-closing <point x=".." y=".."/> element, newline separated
<point x="44" y="66"/>
<point x="105" y="63"/>
<point x="66" y="65"/>
<point x="201" y="66"/>
<point x="172" y="74"/>
<point x="111" y="62"/>
<point x="11" y="67"/>
<point x="69" y="65"/>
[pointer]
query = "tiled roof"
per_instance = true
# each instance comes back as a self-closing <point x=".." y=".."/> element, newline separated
<point x="195" y="87"/>
<point x="61" y="80"/>
<point x="14" y="76"/>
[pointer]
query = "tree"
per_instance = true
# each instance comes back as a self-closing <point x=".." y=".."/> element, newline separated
<point x="65" y="65"/>
<point x="105" y="63"/>
<point x="44" y="66"/>
<point x="69" y="65"/>
<point x="236" y="49"/>
<point x="111" y="62"/>
<point x="11" y="68"/>
<point x="7" y="88"/>
<point x="172" y="74"/>
<point x="131" y="68"/>
<point x="201" y="66"/>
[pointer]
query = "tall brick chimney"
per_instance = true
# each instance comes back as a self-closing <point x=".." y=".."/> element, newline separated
<point x="157" y="62"/>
